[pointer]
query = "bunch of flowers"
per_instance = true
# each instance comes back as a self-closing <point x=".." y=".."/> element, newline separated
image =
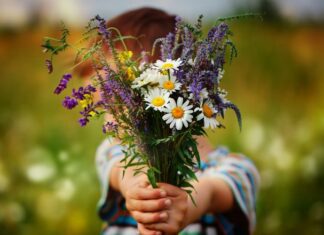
<point x="157" y="108"/>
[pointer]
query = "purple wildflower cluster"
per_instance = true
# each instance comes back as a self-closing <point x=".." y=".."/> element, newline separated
<point x="63" y="83"/>
<point x="82" y="91"/>
<point x="202" y="59"/>
<point x="80" y="95"/>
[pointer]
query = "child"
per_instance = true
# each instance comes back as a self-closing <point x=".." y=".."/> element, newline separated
<point x="225" y="193"/>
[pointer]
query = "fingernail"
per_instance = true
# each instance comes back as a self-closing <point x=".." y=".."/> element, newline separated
<point x="167" y="202"/>
<point x="163" y="215"/>
<point x="163" y="193"/>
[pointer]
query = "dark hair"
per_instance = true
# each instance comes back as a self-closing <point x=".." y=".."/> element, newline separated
<point x="147" y="24"/>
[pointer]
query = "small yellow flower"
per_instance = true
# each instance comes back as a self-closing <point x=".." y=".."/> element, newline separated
<point x="92" y="113"/>
<point x="124" y="56"/>
<point x="86" y="101"/>
<point x="130" y="74"/>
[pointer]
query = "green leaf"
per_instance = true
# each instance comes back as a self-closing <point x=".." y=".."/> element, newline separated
<point x="191" y="197"/>
<point x="196" y="153"/>
<point x="151" y="178"/>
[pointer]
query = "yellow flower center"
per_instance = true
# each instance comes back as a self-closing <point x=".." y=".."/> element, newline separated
<point x="158" y="101"/>
<point x="177" y="112"/>
<point x="167" y="66"/>
<point x="168" y="85"/>
<point x="208" y="112"/>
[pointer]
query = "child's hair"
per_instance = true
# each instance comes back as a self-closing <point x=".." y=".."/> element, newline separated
<point x="147" y="24"/>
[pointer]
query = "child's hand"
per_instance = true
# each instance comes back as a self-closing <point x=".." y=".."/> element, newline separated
<point x="176" y="219"/>
<point x="145" y="204"/>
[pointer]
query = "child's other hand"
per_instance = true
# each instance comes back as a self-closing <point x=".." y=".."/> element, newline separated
<point x="177" y="211"/>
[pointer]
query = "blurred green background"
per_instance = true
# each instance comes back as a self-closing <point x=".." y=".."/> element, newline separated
<point x="48" y="183"/>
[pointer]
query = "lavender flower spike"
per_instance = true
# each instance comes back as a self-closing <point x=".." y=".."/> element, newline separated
<point x="69" y="102"/>
<point x="63" y="83"/>
<point x="102" y="28"/>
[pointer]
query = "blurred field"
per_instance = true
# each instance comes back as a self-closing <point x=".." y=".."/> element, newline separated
<point x="48" y="183"/>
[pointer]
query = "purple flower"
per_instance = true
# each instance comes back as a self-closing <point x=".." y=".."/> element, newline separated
<point x="218" y="32"/>
<point x="63" y="83"/>
<point x="181" y="75"/>
<point x="112" y="88"/>
<point x="187" y="42"/>
<point x="195" y="88"/>
<point x="69" y="102"/>
<point x="102" y="29"/>
<point x="79" y="94"/>
<point x="83" y="121"/>
<point x="49" y="66"/>
<point x="167" y="46"/>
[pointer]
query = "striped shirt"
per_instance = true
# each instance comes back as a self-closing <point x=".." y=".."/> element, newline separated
<point x="235" y="169"/>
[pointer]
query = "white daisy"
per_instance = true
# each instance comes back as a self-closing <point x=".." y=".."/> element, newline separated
<point x="170" y="85"/>
<point x="208" y="113"/>
<point x="203" y="95"/>
<point x="178" y="114"/>
<point x="149" y="76"/>
<point x="168" y="64"/>
<point x="157" y="99"/>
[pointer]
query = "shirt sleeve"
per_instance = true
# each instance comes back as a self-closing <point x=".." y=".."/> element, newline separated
<point x="108" y="153"/>
<point x="243" y="178"/>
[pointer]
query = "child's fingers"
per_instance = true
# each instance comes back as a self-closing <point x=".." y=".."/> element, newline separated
<point x="144" y="231"/>
<point x="142" y="193"/>
<point x="171" y="190"/>
<point x="164" y="227"/>
<point x="148" y="205"/>
<point x="150" y="217"/>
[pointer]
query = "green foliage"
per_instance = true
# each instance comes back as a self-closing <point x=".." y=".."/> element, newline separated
<point x="54" y="45"/>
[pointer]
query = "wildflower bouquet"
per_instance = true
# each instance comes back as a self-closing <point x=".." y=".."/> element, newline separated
<point x="157" y="108"/>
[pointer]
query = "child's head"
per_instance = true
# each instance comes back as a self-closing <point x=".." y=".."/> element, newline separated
<point x="146" y="24"/>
